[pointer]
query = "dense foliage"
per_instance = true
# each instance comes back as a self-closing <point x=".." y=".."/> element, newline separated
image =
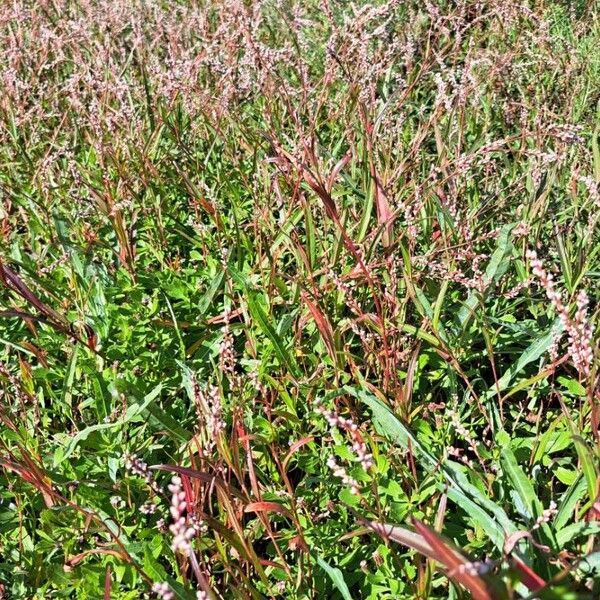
<point x="298" y="299"/>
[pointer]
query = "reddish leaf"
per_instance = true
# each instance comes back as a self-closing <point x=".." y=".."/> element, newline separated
<point x="39" y="353"/>
<point x="15" y="283"/>
<point x="454" y="563"/>
<point x="529" y="578"/>
<point x="328" y="202"/>
<point x="323" y="325"/>
<point x="210" y="479"/>
<point x="271" y="563"/>
<point x="294" y="447"/>
<point x="92" y="341"/>
<point x="298" y="543"/>
<point x="268" y="507"/>
<point x="337" y="169"/>
<point x="107" y="583"/>
<point x="32" y="477"/>
<point x="402" y="536"/>
<point x="512" y="540"/>
<point x="189" y="496"/>
<point x="382" y="205"/>
<point x="74" y="560"/>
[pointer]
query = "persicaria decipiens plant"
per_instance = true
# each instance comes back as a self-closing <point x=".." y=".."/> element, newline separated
<point x="213" y="212"/>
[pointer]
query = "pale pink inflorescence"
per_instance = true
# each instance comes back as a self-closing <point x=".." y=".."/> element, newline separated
<point x="210" y="412"/>
<point x="545" y="516"/>
<point x="358" y="448"/>
<point x="138" y="467"/>
<point x="341" y="472"/>
<point x="162" y="590"/>
<point x="148" y="508"/>
<point x="213" y="401"/>
<point x="592" y="188"/>
<point x="580" y="336"/>
<point x="182" y="529"/>
<point x="466" y="435"/>
<point x="227" y="349"/>
<point x="475" y="568"/>
<point x="578" y="328"/>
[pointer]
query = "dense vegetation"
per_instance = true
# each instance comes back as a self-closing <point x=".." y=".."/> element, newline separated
<point x="298" y="299"/>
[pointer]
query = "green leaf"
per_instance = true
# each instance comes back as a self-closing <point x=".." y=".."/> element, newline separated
<point x="532" y="353"/>
<point x="137" y="409"/>
<point x="572" y="385"/>
<point x="154" y="569"/>
<point x="336" y="576"/>
<point x="566" y="476"/>
<point x="169" y="423"/>
<point x="569" y="501"/>
<point x="576" y="530"/>
<point x="259" y="315"/>
<point x="587" y="465"/>
<point x="589" y="565"/>
<point x="520" y="483"/>
<point x="209" y="295"/>
<point x="81" y="436"/>
<point x="132" y="411"/>
<point x="70" y="378"/>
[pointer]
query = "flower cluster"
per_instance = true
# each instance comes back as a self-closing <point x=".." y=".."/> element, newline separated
<point x="117" y="502"/>
<point x="138" y="467"/>
<point x="359" y="448"/>
<point x="148" y="508"/>
<point x="213" y="402"/>
<point x="210" y="412"/>
<point x="578" y="329"/>
<point x="256" y="383"/>
<point x="592" y="188"/>
<point x="162" y="590"/>
<point x="474" y="568"/>
<point x="341" y="472"/>
<point x="183" y="532"/>
<point x="465" y="434"/>
<point x="347" y="289"/>
<point x="545" y="516"/>
<point x="227" y="349"/>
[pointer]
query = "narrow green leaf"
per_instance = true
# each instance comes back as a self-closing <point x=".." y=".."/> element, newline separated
<point x="544" y="441"/>
<point x="209" y="295"/>
<point x="169" y="423"/>
<point x="336" y="576"/>
<point x="70" y="377"/>
<point x="262" y="320"/>
<point x="573" y="386"/>
<point x="520" y="482"/>
<point x="587" y="465"/>
<point x="532" y="353"/>
<point x="569" y="501"/>
<point x="576" y="530"/>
